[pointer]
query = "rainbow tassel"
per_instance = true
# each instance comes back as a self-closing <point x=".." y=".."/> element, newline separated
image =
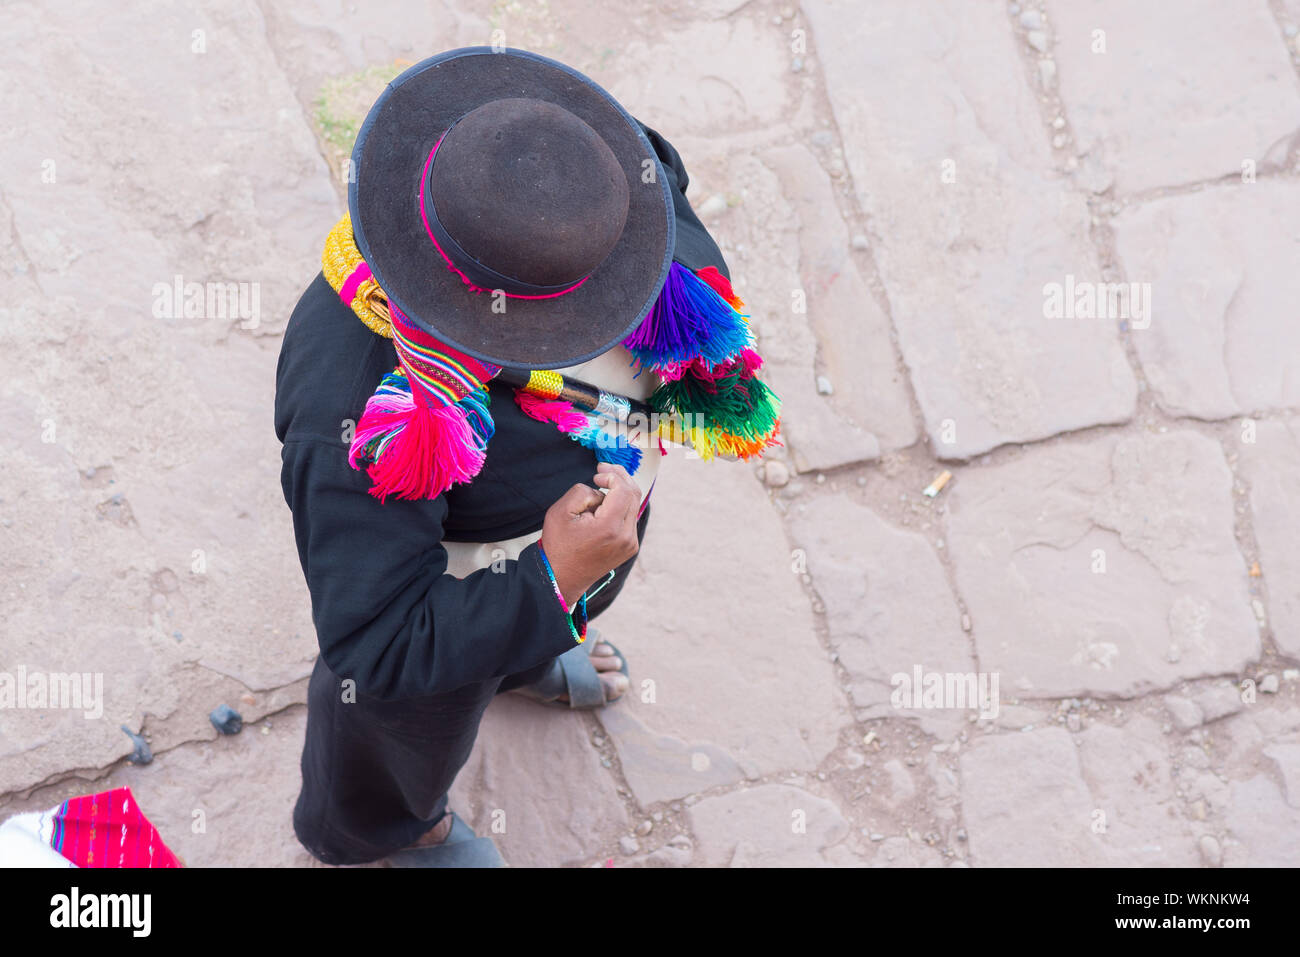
<point x="709" y="442"/>
<point x="728" y="410"/>
<point x="689" y="319"/>
<point x="412" y="450"/>
<point x="583" y="427"/>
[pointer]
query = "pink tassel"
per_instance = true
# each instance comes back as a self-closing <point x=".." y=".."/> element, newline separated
<point x="565" y="417"/>
<point x="749" y="360"/>
<point x="414" y="451"/>
<point x="672" y="371"/>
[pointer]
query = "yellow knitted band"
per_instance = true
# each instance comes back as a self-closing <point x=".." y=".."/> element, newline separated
<point x="338" y="261"/>
<point x="545" y="383"/>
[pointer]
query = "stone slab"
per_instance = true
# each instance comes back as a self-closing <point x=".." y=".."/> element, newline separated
<point x="1103" y="566"/>
<point x="1173" y="99"/>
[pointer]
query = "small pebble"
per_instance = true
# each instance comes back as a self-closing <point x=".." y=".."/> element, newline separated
<point x="860" y="242"/>
<point x="628" y="844"/>
<point x="1031" y="19"/>
<point x="1258" y="607"/>
<point x="1211" y="852"/>
<point x="775" y="474"/>
<point x="226" y="720"/>
<point x="715" y="204"/>
<point x="1268" y="684"/>
<point x="824" y="385"/>
<point x="1038" y="40"/>
<point x="877" y="837"/>
<point x="645" y="827"/>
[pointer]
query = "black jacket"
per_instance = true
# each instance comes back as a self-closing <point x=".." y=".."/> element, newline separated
<point x="386" y="615"/>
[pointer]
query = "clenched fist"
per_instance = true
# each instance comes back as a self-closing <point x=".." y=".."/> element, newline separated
<point x="587" y="532"/>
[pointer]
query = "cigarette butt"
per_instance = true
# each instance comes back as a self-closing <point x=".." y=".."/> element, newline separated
<point x="935" y="487"/>
<point x="1254" y="569"/>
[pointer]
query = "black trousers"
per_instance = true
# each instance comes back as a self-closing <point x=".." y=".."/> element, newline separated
<point x="375" y="773"/>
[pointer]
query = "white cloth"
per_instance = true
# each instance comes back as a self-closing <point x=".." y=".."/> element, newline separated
<point x="25" y="841"/>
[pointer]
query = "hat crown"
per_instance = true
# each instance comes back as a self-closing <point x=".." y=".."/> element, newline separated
<point x="529" y="190"/>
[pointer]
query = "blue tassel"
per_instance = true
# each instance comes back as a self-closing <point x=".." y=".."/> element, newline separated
<point x="608" y="448"/>
<point x="475" y="405"/>
<point x="688" y="320"/>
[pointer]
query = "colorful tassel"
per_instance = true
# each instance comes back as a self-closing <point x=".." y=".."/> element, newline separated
<point x="413" y="450"/>
<point x="561" y="414"/>
<point x="749" y="360"/>
<point x="709" y="442"/>
<point x="729" y="400"/>
<point x="689" y="319"/>
<point x="722" y="286"/>
<point x="583" y="427"/>
<point x="608" y="448"/>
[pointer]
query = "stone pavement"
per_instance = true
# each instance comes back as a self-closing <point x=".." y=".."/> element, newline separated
<point x="922" y="204"/>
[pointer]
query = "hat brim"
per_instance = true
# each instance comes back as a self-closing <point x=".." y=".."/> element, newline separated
<point x="396" y="139"/>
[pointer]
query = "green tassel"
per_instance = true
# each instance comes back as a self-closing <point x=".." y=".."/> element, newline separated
<point x="730" y="403"/>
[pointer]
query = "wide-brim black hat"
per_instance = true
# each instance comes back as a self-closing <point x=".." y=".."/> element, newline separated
<point x="396" y="223"/>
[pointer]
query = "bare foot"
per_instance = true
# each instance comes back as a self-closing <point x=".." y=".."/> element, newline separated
<point x="607" y="665"/>
<point x="437" y="834"/>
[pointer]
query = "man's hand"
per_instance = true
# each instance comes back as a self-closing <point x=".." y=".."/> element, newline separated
<point x="587" y="532"/>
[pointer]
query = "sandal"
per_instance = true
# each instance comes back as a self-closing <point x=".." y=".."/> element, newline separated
<point x="461" y="849"/>
<point x="573" y="674"/>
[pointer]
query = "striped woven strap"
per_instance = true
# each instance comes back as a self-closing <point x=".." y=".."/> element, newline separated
<point x="439" y="374"/>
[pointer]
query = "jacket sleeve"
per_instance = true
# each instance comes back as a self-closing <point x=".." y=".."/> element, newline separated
<point x="386" y="614"/>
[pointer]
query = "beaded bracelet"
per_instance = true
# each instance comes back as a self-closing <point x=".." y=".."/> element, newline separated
<point x="579" y="633"/>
